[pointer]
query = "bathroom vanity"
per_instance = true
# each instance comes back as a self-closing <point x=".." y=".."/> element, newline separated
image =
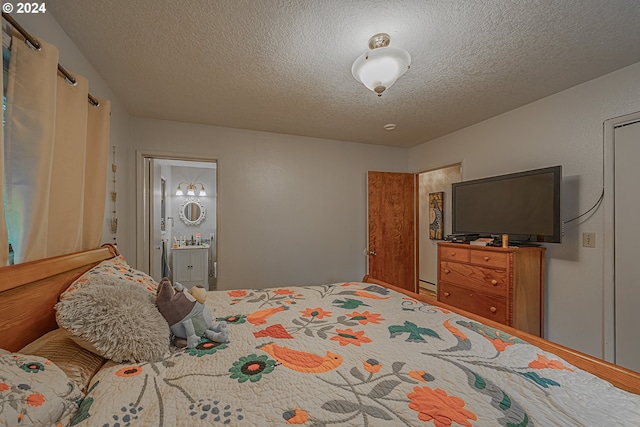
<point x="190" y="266"/>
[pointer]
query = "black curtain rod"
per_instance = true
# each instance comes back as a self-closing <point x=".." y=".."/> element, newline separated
<point x="37" y="46"/>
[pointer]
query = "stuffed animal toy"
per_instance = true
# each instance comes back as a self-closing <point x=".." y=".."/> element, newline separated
<point x="187" y="315"/>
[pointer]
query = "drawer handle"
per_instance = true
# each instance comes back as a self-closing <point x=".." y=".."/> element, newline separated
<point x="447" y="271"/>
<point x="453" y="254"/>
<point x="446" y="294"/>
<point x="494" y="282"/>
<point x="486" y="258"/>
<point x="493" y="309"/>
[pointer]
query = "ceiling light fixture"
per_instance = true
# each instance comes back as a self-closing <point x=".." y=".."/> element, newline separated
<point x="389" y="127"/>
<point x="379" y="68"/>
<point x="191" y="189"/>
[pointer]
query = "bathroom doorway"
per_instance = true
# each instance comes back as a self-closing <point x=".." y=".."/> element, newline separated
<point x="438" y="183"/>
<point x="171" y="218"/>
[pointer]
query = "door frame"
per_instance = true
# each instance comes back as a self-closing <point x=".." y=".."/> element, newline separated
<point x="608" y="294"/>
<point x="447" y="212"/>
<point x="143" y="205"/>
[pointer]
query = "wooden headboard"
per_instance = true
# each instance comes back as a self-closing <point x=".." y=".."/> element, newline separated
<point x="29" y="291"/>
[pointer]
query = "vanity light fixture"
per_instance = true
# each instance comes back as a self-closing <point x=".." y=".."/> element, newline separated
<point x="380" y="67"/>
<point x="191" y="189"/>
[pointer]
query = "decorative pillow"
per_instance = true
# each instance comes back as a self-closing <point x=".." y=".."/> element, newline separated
<point x="115" y="267"/>
<point x="115" y="320"/>
<point x="35" y="392"/>
<point x="77" y="362"/>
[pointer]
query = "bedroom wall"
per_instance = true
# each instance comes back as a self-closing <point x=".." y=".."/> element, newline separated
<point x="291" y="210"/>
<point x="565" y="129"/>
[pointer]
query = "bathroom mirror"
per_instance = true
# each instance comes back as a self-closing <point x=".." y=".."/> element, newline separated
<point x="192" y="211"/>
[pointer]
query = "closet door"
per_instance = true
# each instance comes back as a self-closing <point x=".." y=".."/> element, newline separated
<point x="627" y="238"/>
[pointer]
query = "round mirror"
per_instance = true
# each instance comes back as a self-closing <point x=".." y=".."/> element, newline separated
<point x="192" y="211"/>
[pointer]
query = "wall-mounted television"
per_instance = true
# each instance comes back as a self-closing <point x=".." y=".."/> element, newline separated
<point x="524" y="205"/>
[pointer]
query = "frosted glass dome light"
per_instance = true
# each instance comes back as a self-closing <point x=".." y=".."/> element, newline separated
<point x="379" y="68"/>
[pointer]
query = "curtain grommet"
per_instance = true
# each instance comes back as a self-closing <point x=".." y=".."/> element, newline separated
<point x="37" y="46"/>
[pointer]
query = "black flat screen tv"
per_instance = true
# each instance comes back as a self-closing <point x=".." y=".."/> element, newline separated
<point x="524" y="205"/>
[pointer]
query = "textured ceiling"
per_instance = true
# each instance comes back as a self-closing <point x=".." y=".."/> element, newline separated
<point x="285" y="65"/>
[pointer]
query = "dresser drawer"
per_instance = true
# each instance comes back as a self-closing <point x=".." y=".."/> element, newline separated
<point x="455" y="253"/>
<point x="490" y="306"/>
<point x="490" y="258"/>
<point x="502" y="284"/>
<point x="482" y="279"/>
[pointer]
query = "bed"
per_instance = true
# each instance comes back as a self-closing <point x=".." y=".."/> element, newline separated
<point x="345" y="354"/>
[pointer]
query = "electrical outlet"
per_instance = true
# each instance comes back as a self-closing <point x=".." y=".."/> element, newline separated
<point x="589" y="240"/>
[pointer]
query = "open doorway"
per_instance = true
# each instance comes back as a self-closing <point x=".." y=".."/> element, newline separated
<point x="437" y="183"/>
<point x="178" y="227"/>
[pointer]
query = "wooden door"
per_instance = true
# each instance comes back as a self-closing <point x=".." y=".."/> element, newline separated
<point x="392" y="225"/>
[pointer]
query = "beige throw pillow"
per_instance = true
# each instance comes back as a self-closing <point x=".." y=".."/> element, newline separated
<point x="116" y="320"/>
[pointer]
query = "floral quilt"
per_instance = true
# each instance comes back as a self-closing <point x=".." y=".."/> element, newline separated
<point x="35" y="392"/>
<point x="351" y="354"/>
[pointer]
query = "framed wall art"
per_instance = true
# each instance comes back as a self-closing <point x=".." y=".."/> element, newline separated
<point x="436" y="215"/>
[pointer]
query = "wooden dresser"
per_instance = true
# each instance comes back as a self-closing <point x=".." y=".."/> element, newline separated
<point x="501" y="284"/>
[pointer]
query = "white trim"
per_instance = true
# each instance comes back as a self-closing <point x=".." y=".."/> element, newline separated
<point x="608" y="300"/>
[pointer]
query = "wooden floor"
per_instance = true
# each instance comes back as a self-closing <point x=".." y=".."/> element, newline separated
<point x="428" y="294"/>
